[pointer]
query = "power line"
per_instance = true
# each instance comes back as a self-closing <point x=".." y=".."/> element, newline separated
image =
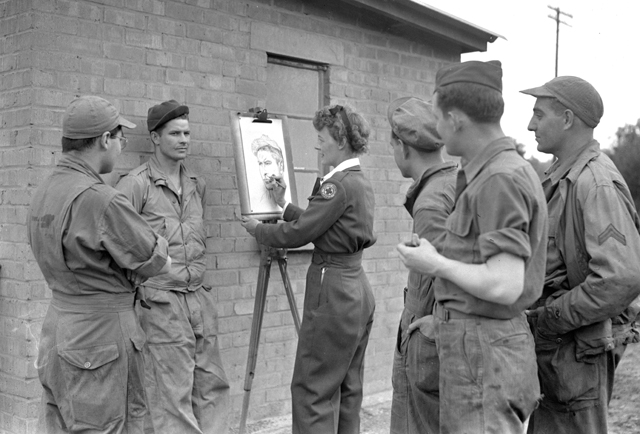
<point x="558" y="22"/>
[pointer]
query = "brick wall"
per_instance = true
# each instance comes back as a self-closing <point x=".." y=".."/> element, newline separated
<point x="137" y="53"/>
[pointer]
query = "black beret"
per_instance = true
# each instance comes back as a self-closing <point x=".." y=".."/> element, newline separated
<point x="160" y="114"/>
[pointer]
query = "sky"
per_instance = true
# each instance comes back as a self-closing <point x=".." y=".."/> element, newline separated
<point x="600" y="45"/>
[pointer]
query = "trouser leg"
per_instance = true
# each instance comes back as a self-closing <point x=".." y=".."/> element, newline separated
<point x="210" y="387"/>
<point x="337" y="317"/>
<point x="169" y="363"/>
<point x="415" y="406"/>
<point x="488" y="379"/>
<point x="576" y="393"/>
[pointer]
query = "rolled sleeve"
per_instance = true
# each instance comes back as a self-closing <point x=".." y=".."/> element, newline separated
<point x="504" y="223"/>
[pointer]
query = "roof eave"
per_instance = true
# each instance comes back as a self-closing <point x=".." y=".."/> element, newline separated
<point x="427" y="18"/>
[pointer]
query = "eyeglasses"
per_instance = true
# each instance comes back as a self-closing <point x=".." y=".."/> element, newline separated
<point x="123" y="140"/>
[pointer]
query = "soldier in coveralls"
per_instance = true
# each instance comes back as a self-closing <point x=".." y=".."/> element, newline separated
<point x="417" y="150"/>
<point x="585" y="317"/>
<point x="186" y="384"/>
<point x="92" y="247"/>
<point x="338" y="306"/>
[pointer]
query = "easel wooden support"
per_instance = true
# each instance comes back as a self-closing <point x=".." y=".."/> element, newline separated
<point x="266" y="257"/>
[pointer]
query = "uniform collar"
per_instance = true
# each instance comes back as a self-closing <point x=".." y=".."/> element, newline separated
<point x="416" y="187"/>
<point x="475" y="166"/>
<point x="346" y="164"/>
<point x="76" y="163"/>
<point x="158" y="177"/>
<point x="572" y="167"/>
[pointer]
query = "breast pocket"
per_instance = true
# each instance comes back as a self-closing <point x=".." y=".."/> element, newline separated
<point x="459" y="224"/>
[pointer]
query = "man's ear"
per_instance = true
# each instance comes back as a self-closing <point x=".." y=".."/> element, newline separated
<point x="457" y="119"/>
<point x="155" y="137"/>
<point x="568" y="118"/>
<point x="406" y="153"/>
<point x="103" y="141"/>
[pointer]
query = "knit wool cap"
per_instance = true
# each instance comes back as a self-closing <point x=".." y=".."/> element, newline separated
<point x="484" y="73"/>
<point x="160" y="114"/>
<point x="575" y="94"/>
<point x="413" y="121"/>
<point x="91" y="116"/>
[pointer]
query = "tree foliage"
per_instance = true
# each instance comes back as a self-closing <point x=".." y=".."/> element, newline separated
<point x="626" y="156"/>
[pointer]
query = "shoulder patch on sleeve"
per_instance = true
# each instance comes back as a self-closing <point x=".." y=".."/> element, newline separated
<point x="328" y="190"/>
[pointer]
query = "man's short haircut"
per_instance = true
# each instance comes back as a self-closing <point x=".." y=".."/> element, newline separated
<point x="162" y="127"/>
<point x="82" y="145"/>
<point x="482" y="104"/>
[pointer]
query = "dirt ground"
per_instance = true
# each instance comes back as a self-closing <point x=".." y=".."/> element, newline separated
<point x="624" y="411"/>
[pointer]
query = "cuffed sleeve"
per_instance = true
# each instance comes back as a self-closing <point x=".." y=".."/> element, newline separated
<point x="503" y="213"/>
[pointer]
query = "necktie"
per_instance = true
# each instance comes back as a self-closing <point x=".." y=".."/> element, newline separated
<point x="316" y="187"/>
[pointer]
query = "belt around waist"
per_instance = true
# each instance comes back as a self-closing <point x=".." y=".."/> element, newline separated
<point x="337" y="259"/>
<point x="103" y="302"/>
<point x="444" y="314"/>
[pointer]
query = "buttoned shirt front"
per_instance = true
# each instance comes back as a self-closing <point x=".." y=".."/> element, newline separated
<point x="502" y="209"/>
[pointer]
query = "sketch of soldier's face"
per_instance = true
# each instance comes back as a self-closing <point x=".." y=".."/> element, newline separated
<point x="270" y="164"/>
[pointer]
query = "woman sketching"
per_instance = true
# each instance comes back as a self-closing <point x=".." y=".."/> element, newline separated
<point x="338" y="308"/>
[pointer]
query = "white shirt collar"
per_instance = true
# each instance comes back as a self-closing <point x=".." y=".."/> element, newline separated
<point x="351" y="162"/>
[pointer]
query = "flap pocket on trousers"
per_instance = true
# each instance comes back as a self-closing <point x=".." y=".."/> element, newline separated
<point x="91" y="358"/>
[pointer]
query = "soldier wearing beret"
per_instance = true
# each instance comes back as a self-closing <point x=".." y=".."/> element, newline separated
<point x="186" y="384"/>
<point x="92" y="248"/>
<point x="338" y="306"/>
<point x="417" y="150"/>
<point x="586" y="314"/>
<point x="491" y="264"/>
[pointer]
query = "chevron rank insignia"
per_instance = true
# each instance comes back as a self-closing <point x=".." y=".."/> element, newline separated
<point x="328" y="190"/>
<point x="612" y="232"/>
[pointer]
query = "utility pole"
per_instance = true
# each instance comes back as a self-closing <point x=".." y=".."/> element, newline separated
<point x="557" y="20"/>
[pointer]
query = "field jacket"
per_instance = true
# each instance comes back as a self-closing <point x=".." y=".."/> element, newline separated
<point x="597" y="235"/>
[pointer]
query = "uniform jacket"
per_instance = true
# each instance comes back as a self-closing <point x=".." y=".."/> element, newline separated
<point x="84" y="233"/>
<point x="595" y="229"/>
<point x="178" y="218"/>
<point x="429" y="201"/>
<point x="339" y="218"/>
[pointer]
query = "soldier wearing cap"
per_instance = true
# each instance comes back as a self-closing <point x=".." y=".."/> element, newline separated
<point x="585" y="316"/>
<point x="491" y="264"/>
<point x="417" y="150"/>
<point x="92" y="248"/>
<point x="186" y="384"/>
<point x="338" y="305"/>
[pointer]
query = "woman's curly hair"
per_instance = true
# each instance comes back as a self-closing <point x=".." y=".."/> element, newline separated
<point x="356" y="136"/>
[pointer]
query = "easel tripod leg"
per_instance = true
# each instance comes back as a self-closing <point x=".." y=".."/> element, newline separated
<point x="282" y="263"/>
<point x="256" y="326"/>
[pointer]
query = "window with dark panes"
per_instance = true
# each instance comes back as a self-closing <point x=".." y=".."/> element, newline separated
<point x="297" y="89"/>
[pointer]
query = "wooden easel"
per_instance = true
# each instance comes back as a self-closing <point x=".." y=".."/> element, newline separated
<point x="267" y="254"/>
